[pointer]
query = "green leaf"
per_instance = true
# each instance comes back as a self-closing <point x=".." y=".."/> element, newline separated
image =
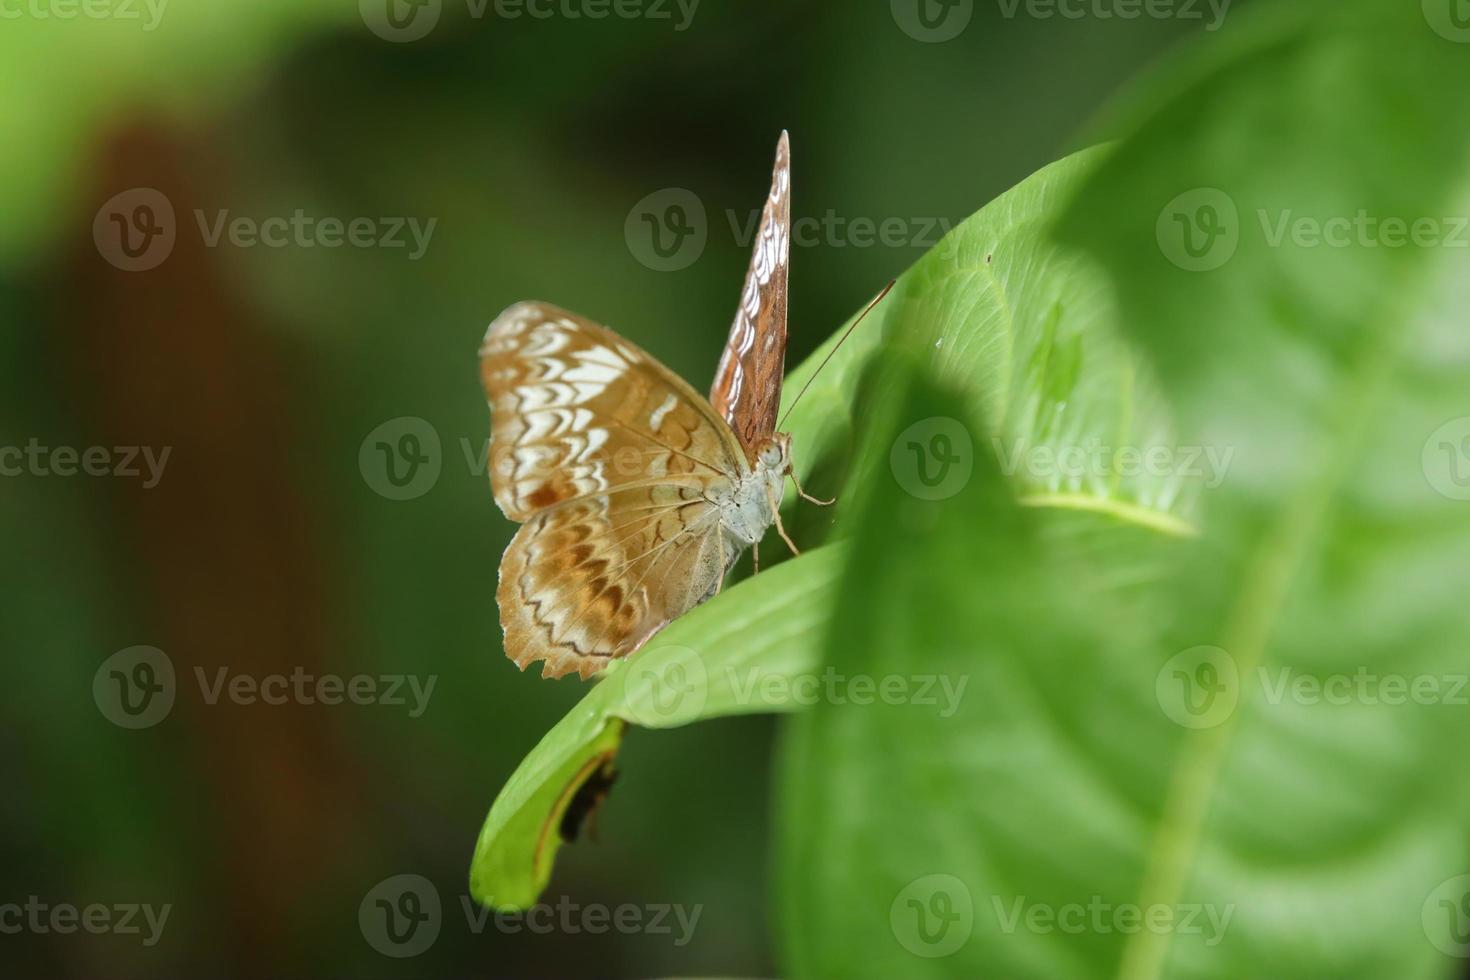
<point x="1023" y="330"/>
<point x="1155" y="726"/>
<point x="1006" y="634"/>
<point x="1336" y="549"/>
<point x="726" y="657"/>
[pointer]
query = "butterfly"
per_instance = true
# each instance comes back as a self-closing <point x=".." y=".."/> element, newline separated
<point x="635" y="494"/>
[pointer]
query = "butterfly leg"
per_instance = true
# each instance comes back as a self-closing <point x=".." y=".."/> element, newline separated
<point x="781" y="528"/>
<point x="808" y="497"/>
<point x="755" y="556"/>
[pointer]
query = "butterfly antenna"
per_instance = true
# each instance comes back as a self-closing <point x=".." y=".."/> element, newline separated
<point x="876" y="300"/>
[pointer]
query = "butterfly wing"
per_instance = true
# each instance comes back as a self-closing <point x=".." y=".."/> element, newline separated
<point x="578" y="410"/>
<point x="592" y="579"/>
<point x="609" y="458"/>
<point x="747" y="388"/>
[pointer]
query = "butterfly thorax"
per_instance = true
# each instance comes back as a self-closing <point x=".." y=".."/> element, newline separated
<point x="751" y="506"/>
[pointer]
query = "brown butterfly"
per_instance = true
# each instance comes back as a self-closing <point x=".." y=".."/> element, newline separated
<point x="637" y="495"/>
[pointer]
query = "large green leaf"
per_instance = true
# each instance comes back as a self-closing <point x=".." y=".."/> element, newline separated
<point x="1252" y="739"/>
<point x="1025" y="331"/>
<point x="1004" y="770"/>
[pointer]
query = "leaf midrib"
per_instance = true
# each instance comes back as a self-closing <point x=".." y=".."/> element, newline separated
<point x="1270" y="573"/>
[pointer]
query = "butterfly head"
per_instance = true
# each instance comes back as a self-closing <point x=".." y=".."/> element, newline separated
<point x="774" y="454"/>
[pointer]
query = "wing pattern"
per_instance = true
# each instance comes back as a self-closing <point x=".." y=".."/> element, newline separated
<point x="747" y="387"/>
<point x="610" y="461"/>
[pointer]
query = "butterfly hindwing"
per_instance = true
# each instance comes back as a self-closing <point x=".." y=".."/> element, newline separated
<point x="592" y="579"/>
<point x="747" y="387"/>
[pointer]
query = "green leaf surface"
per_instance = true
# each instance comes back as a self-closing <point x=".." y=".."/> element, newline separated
<point x="901" y="813"/>
<point x="1224" y="756"/>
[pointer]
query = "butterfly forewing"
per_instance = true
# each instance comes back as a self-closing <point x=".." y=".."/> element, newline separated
<point x="610" y="460"/>
<point x="747" y="387"/>
<point x="576" y="409"/>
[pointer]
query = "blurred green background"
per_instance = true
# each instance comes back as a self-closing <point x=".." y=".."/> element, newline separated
<point x="267" y="547"/>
